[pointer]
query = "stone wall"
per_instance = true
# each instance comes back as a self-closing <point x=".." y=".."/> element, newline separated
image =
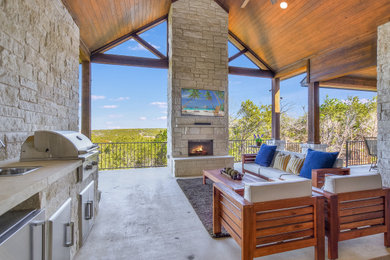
<point x="198" y="59"/>
<point x="39" y="50"/>
<point x="383" y="86"/>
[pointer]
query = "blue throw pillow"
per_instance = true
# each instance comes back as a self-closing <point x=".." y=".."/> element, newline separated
<point x="265" y="155"/>
<point x="317" y="160"/>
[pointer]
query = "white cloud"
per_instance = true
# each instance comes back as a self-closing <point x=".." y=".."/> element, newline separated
<point x="122" y="98"/>
<point x="110" y="106"/>
<point x="139" y="47"/>
<point x="115" y="116"/>
<point x="159" y="104"/>
<point x="114" y="127"/>
<point x="142" y="118"/>
<point x="97" y="97"/>
<point x="162" y="118"/>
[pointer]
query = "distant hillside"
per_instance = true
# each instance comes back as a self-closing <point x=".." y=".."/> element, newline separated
<point x="126" y="135"/>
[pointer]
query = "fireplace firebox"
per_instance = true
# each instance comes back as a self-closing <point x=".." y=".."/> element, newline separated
<point x="200" y="147"/>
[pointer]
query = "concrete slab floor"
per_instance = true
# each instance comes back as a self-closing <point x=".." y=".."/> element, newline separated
<point x="145" y="215"/>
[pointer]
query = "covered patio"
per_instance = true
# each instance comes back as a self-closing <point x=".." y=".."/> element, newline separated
<point x="145" y="215"/>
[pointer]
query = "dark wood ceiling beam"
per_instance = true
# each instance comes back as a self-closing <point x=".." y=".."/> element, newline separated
<point x="250" y="72"/>
<point x="238" y="54"/>
<point x="127" y="36"/>
<point x="129" y="61"/>
<point x="222" y="5"/>
<point x="85" y="54"/>
<point x="244" y="46"/>
<point x="292" y="70"/>
<point x="149" y="46"/>
<point x="351" y="83"/>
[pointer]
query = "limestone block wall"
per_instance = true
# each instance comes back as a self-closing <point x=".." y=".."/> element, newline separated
<point x="39" y="50"/>
<point x="383" y="86"/>
<point x="198" y="59"/>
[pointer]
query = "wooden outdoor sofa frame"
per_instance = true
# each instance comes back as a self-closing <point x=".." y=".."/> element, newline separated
<point x="318" y="175"/>
<point x="271" y="227"/>
<point x="355" y="214"/>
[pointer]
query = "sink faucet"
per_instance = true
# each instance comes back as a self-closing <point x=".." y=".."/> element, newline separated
<point x="2" y="145"/>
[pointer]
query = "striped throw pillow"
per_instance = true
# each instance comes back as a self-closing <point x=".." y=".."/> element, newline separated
<point x="281" y="161"/>
<point x="295" y="164"/>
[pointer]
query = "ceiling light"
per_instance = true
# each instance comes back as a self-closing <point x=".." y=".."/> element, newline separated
<point x="283" y="5"/>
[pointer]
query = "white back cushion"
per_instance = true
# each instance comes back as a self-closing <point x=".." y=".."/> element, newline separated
<point x="267" y="191"/>
<point x="350" y="183"/>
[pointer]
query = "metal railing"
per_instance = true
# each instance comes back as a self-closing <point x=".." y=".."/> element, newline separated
<point x="356" y="153"/>
<point x="154" y="154"/>
<point x="238" y="147"/>
<point x="293" y="147"/>
<point x="132" y="155"/>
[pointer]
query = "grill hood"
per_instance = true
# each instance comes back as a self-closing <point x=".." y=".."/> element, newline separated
<point x="48" y="144"/>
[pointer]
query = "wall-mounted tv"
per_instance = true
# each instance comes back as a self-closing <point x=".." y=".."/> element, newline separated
<point x="199" y="102"/>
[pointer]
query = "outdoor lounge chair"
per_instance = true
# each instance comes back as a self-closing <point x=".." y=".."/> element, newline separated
<point x="356" y="206"/>
<point x="371" y="146"/>
<point x="272" y="217"/>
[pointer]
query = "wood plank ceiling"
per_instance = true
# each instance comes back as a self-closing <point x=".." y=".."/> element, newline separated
<point x="284" y="39"/>
<point x="103" y="21"/>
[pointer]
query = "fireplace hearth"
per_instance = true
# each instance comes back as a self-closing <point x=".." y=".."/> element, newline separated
<point x="200" y="147"/>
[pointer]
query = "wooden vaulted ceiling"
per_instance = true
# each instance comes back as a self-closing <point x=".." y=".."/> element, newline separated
<point x="328" y="32"/>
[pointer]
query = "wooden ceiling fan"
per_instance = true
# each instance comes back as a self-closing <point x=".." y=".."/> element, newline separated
<point x="247" y="1"/>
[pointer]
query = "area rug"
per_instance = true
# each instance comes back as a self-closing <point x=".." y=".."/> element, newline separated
<point x="201" y="198"/>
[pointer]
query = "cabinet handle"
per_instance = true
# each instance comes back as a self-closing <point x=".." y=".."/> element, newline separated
<point x="43" y="226"/>
<point x="89" y="210"/>
<point x="71" y="226"/>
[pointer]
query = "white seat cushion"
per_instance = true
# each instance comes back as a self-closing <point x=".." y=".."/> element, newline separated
<point x="252" y="167"/>
<point x="291" y="177"/>
<point x="350" y="183"/>
<point x="270" y="172"/>
<point x="268" y="191"/>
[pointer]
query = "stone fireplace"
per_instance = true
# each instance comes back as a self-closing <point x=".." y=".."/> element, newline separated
<point x="198" y="59"/>
<point x="200" y="147"/>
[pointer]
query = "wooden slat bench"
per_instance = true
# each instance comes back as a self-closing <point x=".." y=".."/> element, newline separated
<point x="265" y="228"/>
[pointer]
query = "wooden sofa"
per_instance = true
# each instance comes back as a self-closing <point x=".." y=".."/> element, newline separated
<point x="318" y="175"/>
<point x="270" y="227"/>
<point x="356" y="206"/>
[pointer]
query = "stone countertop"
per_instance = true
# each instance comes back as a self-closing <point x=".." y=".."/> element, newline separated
<point x="16" y="189"/>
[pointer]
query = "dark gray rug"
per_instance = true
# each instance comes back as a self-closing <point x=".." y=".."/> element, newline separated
<point x="201" y="198"/>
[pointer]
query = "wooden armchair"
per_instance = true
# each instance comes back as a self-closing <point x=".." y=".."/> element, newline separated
<point x="248" y="158"/>
<point x="270" y="227"/>
<point x="351" y="214"/>
<point x="318" y="175"/>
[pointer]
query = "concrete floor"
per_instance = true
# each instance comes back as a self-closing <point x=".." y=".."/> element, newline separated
<point x="145" y="215"/>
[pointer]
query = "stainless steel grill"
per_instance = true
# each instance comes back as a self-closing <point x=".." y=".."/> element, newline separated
<point x="62" y="145"/>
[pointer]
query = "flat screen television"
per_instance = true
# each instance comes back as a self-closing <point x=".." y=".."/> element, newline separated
<point x="200" y="102"/>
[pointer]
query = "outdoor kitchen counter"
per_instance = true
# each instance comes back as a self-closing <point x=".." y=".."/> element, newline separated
<point x="17" y="189"/>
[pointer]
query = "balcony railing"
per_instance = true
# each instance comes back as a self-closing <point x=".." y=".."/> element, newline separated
<point x="132" y="155"/>
<point x="356" y="153"/>
<point x="154" y="154"/>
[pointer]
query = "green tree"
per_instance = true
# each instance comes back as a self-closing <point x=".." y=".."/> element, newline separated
<point x="251" y="119"/>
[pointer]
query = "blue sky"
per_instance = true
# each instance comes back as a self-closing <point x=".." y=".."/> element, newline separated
<point x="132" y="97"/>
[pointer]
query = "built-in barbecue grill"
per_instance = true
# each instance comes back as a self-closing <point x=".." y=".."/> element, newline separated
<point x="61" y="145"/>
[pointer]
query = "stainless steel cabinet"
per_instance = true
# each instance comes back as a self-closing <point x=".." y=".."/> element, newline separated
<point x="87" y="216"/>
<point x="22" y="235"/>
<point x="61" y="231"/>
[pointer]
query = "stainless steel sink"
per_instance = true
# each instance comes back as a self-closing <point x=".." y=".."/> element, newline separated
<point x="17" y="171"/>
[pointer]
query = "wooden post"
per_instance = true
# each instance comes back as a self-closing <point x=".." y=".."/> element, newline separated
<point x="276" y="108"/>
<point x="313" y="119"/>
<point x="86" y="99"/>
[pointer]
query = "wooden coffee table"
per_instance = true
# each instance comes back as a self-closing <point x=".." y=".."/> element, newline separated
<point x="235" y="185"/>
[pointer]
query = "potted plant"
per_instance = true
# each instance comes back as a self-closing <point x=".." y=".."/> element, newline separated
<point x="258" y="140"/>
